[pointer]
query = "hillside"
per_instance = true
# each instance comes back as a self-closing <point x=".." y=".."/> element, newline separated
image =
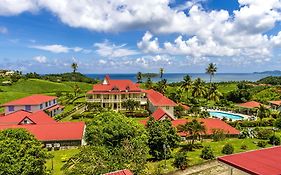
<point x="24" y="88"/>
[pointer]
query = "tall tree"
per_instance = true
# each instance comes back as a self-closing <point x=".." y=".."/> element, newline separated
<point x="162" y="86"/>
<point x="161" y="72"/>
<point x="263" y="112"/>
<point x="74" y="66"/>
<point x="187" y="83"/>
<point x="211" y="70"/>
<point x="21" y="153"/>
<point x="198" y="88"/>
<point x="148" y="83"/>
<point x="139" y="77"/>
<point x="214" y="93"/>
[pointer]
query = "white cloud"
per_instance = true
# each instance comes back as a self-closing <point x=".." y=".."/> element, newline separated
<point x="40" y="59"/>
<point x="57" y="48"/>
<point x="148" y="44"/>
<point x="3" y="30"/>
<point x="107" y="49"/>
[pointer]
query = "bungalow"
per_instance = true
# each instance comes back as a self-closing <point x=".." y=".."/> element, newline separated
<point x="111" y="93"/>
<point x="45" y="128"/>
<point x="34" y="103"/>
<point x="157" y="100"/>
<point x="275" y="105"/>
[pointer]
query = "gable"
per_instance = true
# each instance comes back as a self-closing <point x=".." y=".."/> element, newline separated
<point x="26" y="121"/>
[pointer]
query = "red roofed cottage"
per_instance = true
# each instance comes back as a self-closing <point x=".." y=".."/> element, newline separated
<point x="111" y="93"/>
<point x="34" y="103"/>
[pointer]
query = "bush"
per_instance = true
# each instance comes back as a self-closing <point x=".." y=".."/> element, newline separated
<point x="274" y="140"/>
<point x="244" y="147"/>
<point x="262" y="144"/>
<point x="227" y="149"/>
<point x="263" y="134"/>
<point x="218" y="135"/>
<point x="180" y="161"/>
<point x="277" y="123"/>
<point x="207" y="153"/>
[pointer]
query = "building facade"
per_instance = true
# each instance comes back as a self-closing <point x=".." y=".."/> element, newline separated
<point x="113" y="93"/>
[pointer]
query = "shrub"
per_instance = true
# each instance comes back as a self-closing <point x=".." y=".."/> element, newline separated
<point x="274" y="140"/>
<point x="207" y="153"/>
<point x="227" y="149"/>
<point x="244" y="147"/>
<point x="277" y="123"/>
<point x="218" y="135"/>
<point x="180" y="161"/>
<point x="263" y="134"/>
<point x="262" y="144"/>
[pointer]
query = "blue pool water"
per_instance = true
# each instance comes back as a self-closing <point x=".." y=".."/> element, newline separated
<point x="226" y="115"/>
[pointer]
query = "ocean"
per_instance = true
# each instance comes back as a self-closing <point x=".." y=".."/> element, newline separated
<point x="176" y="77"/>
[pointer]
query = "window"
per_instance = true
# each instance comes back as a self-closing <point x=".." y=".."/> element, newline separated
<point x="50" y="103"/>
<point x="27" y="107"/>
<point x="46" y="104"/>
<point x="11" y="108"/>
<point x="167" y="107"/>
<point x="41" y="106"/>
<point x="54" y="101"/>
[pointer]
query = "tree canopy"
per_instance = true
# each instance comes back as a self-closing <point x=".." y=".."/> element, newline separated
<point x="21" y="153"/>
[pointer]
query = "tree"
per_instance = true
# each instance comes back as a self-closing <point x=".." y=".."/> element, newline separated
<point x="214" y="94"/>
<point x="76" y="90"/>
<point x="187" y="83"/>
<point x="211" y="70"/>
<point x="74" y="66"/>
<point x="114" y="142"/>
<point x="161" y="72"/>
<point x="277" y="123"/>
<point x="162" y="86"/>
<point x="227" y="149"/>
<point x="130" y="104"/>
<point x="181" y="161"/>
<point x="262" y="112"/>
<point x="21" y="153"/>
<point x="161" y="133"/>
<point x="198" y="88"/>
<point x="148" y="83"/>
<point x="139" y="77"/>
<point x="207" y="153"/>
<point x="194" y="129"/>
<point x="274" y="140"/>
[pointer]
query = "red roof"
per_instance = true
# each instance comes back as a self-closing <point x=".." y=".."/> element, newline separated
<point x="39" y="117"/>
<point x="158" y="99"/>
<point x="250" y="104"/>
<point x="36" y="99"/>
<point x="278" y="102"/>
<point x="159" y="113"/>
<point x="55" y="107"/>
<point x="259" y="162"/>
<point x="120" y="172"/>
<point x="44" y="127"/>
<point x="210" y="124"/>
<point x="115" y="86"/>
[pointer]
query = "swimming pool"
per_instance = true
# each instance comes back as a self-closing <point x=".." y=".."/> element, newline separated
<point x="226" y="115"/>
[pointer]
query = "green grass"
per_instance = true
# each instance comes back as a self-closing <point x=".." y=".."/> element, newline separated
<point x="59" y="157"/>
<point x="24" y="88"/>
<point x="225" y="88"/>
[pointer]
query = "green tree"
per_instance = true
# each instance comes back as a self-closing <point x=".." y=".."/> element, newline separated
<point x="161" y="71"/>
<point x="263" y="112"/>
<point x="227" y="149"/>
<point x="161" y="133"/>
<point x="207" y="153"/>
<point x="181" y="161"/>
<point x="76" y="90"/>
<point x="131" y="104"/>
<point x="277" y="123"/>
<point x="21" y="153"/>
<point x="74" y="66"/>
<point x="198" y="88"/>
<point x="187" y="83"/>
<point x="139" y="77"/>
<point x="211" y="70"/>
<point x="214" y="94"/>
<point x="162" y="86"/>
<point x="148" y="83"/>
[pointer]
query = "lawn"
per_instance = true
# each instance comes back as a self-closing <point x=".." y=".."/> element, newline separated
<point x="225" y="88"/>
<point x="59" y="158"/>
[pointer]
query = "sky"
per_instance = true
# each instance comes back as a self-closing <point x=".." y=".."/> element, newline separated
<point x="127" y="36"/>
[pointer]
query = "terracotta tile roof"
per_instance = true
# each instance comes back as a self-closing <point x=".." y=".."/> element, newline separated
<point x="55" y="107"/>
<point x="159" y="113"/>
<point x="250" y="104"/>
<point x="258" y="162"/>
<point x="121" y="172"/>
<point x="36" y="99"/>
<point x="278" y="102"/>
<point x="158" y="99"/>
<point x="115" y="86"/>
<point x="44" y="128"/>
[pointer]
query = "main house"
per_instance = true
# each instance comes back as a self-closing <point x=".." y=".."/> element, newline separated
<point x="45" y="128"/>
<point x="34" y="103"/>
<point x="112" y="93"/>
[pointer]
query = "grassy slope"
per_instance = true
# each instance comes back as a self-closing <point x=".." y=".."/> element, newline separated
<point x="24" y="88"/>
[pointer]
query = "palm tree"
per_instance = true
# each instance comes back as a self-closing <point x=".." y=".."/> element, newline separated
<point x="187" y="83"/>
<point x="161" y="72"/>
<point x="263" y="112"/>
<point x="162" y="86"/>
<point x="214" y="94"/>
<point x="211" y="70"/>
<point x="74" y="66"/>
<point x="139" y="77"/>
<point x="198" y="88"/>
<point x="148" y="83"/>
<point x="194" y="129"/>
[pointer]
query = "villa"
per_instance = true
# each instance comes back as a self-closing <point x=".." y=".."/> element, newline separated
<point x="112" y="93"/>
<point x="275" y="105"/>
<point x="34" y="103"/>
<point x="45" y="128"/>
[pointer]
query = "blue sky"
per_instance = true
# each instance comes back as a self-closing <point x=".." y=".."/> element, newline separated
<point x="128" y="36"/>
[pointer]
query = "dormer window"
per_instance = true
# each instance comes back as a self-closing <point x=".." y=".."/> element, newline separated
<point x="127" y="88"/>
<point x="11" y="108"/>
<point x="115" y="88"/>
<point x="27" y="107"/>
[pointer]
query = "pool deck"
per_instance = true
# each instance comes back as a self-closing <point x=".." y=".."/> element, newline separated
<point x="245" y="117"/>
